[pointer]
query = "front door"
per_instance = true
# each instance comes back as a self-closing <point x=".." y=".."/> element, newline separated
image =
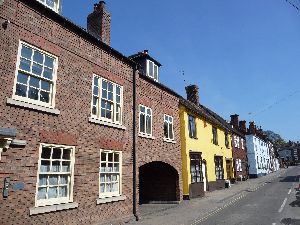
<point x="228" y="169"/>
<point x="204" y="175"/>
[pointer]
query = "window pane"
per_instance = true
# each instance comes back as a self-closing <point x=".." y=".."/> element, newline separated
<point x="33" y="93"/>
<point x="63" y="180"/>
<point x="52" y="193"/>
<point x="45" y="96"/>
<point x="96" y="91"/>
<point x="110" y="96"/>
<point x="104" y="84"/>
<point x="45" y="85"/>
<point x="155" y="72"/>
<point x="42" y="193"/>
<point x="55" y="166"/>
<point x="46" y="153"/>
<point x="25" y="65"/>
<point x="48" y="73"/>
<point x="45" y="166"/>
<point x="26" y="52"/>
<point x="116" y="167"/>
<point x="151" y="69"/>
<point x="108" y="115"/>
<point x="142" y="109"/>
<point x="94" y="110"/>
<point x="103" y="167"/>
<point x="38" y="57"/>
<point x="53" y="180"/>
<point x="171" y="131"/>
<point x="66" y="166"/>
<point x="42" y="180"/>
<point x="34" y="82"/>
<point x="118" y="90"/>
<point x="63" y="191"/>
<point x="21" y="90"/>
<point x="110" y="167"/>
<point x="117" y="158"/>
<point x="56" y="153"/>
<point x="110" y="157"/>
<point x="103" y="156"/>
<point x="148" y="125"/>
<point x="166" y="130"/>
<point x="49" y="61"/>
<point x="102" y="188"/>
<point x="149" y="112"/>
<point x="102" y="112"/>
<point x="22" y="78"/>
<point x="104" y="94"/>
<point x="67" y="154"/>
<point x="115" y="187"/>
<point x="142" y="123"/>
<point x="37" y="69"/>
<point x="110" y="87"/>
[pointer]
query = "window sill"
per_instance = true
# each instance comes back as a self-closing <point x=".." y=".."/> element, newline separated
<point x="146" y="136"/>
<point x="195" y="138"/>
<point x="169" y="141"/>
<point x="111" y="199"/>
<point x="13" y="102"/>
<point x="52" y="208"/>
<point x="108" y="124"/>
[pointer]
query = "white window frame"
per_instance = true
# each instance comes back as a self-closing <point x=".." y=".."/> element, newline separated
<point x="114" y="102"/>
<point x="169" y="123"/>
<point x="52" y="94"/>
<point x="242" y="142"/>
<point x="56" y="5"/>
<point x="116" y="193"/>
<point x="61" y="200"/>
<point x="236" y="142"/>
<point x="153" y="76"/>
<point x="151" y="130"/>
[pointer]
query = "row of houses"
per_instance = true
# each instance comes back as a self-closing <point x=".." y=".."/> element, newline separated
<point x="87" y="134"/>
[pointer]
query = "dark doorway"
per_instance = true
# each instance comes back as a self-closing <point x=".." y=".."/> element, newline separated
<point x="158" y="183"/>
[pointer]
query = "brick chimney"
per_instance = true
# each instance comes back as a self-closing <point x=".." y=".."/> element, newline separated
<point x="242" y="126"/>
<point x="235" y="121"/>
<point x="252" y="128"/>
<point x="192" y="92"/>
<point x="98" y="23"/>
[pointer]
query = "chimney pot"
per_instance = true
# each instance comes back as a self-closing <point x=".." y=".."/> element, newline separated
<point x="242" y="126"/>
<point x="192" y="92"/>
<point x="235" y="121"/>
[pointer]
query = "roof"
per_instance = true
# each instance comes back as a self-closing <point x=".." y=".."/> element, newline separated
<point x="141" y="55"/>
<point x="206" y="113"/>
<point x="47" y="12"/>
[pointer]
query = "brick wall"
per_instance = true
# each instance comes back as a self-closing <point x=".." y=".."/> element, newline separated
<point x="239" y="153"/>
<point x="78" y="60"/>
<point x="151" y="150"/>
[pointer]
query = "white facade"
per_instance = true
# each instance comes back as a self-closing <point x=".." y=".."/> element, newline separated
<point x="258" y="156"/>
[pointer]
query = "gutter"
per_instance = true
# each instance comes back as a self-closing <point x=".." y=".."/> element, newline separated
<point x="135" y="69"/>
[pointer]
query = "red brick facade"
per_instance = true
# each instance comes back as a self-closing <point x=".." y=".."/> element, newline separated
<point x="155" y="151"/>
<point x="79" y="57"/>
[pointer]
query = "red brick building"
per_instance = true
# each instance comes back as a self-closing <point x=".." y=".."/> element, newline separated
<point x="66" y="119"/>
<point x="239" y="148"/>
<point x="158" y="142"/>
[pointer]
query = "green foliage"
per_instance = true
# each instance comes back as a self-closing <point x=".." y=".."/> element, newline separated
<point x="275" y="138"/>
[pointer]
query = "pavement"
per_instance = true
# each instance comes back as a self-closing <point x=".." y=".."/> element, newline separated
<point x="240" y="204"/>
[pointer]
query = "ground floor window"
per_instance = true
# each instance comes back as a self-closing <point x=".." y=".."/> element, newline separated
<point x="196" y="168"/>
<point x="110" y="173"/>
<point x="238" y="164"/>
<point x="55" y="175"/>
<point x="219" y="167"/>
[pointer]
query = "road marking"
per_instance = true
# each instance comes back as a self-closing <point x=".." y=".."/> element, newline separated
<point x="290" y="191"/>
<point x="273" y="223"/>
<point x="282" y="206"/>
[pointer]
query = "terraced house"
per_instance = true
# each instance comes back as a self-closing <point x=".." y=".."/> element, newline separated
<point x="66" y="118"/>
<point x="158" y="136"/>
<point x="205" y="147"/>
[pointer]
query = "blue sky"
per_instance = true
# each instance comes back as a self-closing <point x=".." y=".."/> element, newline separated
<point x="244" y="55"/>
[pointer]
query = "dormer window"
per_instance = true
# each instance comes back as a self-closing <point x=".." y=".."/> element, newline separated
<point x="52" y="4"/>
<point x="152" y="70"/>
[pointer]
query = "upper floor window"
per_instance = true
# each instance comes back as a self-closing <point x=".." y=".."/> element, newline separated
<point x="107" y="102"/>
<point x="242" y="143"/>
<point x="35" y="76"/>
<point x="110" y="173"/>
<point x="226" y="140"/>
<point x="52" y="4"/>
<point x="152" y="70"/>
<point x="55" y="175"/>
<point x="168" y="127"/>
<point x="192" y="127"/>
<point x="145" y="120"/>
<point x="215" y="135"/>
<point x="236" y="142"/>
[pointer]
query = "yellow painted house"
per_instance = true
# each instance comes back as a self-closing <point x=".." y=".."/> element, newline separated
<point x="205" y="147"/>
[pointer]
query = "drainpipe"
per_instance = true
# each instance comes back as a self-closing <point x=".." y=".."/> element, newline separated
<point x="135" y="69"/>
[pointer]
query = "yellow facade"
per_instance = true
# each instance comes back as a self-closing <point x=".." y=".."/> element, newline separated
<point x="204" y="144"/>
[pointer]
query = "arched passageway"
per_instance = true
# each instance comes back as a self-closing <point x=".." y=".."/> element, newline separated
<point x="159" y="182"/>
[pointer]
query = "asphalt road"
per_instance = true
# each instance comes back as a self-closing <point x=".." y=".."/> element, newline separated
<point x="277" y="202"/>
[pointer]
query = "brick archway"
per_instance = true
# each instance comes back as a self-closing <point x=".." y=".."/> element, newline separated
<point x="159" y="182"/>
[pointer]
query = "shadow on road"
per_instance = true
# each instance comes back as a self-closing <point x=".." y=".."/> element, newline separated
<point x="296" y="203"/>
<point x="290" y="179"/>
<point x="289" y="221"/>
